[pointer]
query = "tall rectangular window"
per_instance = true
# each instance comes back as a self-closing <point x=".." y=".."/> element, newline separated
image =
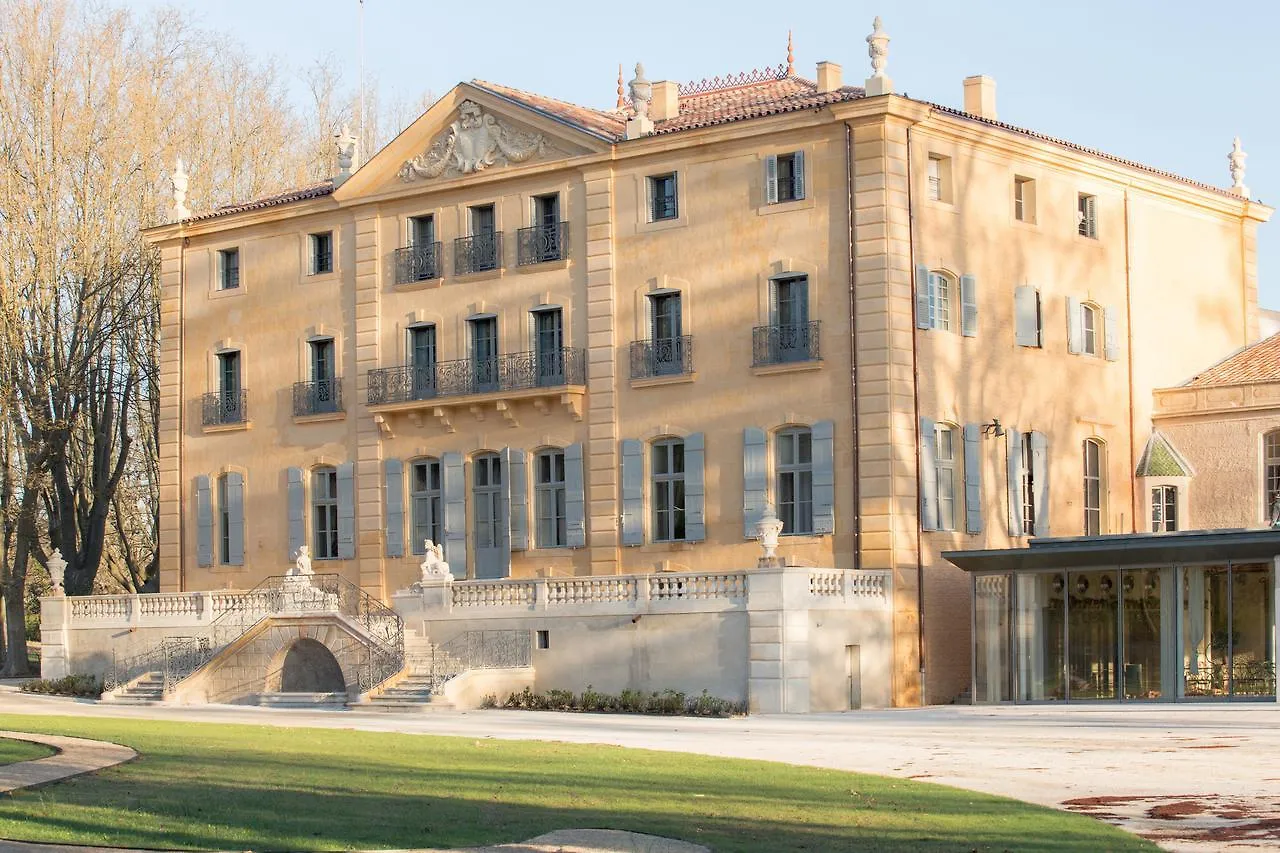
<point x="484" y="353"/>
<point x="228" y="269"/>
<point x="663" y="202"/>
<point x="481" y="246"/>
<point x="1092" y="487"/>
<point x="789" y="310"/>
<point x="945" y="460"/>
<point x="666" y="330"/>
<point x="324" y="512"/>
<point x="546" y="210"/>
<point x="1028" y="485"/>
<point x="1024" y="199"/>
<point x="424" y="503"/>
<point x="940" y="178"/>
<point x="548" y="345"/>
<point x="785" y="177"/>
<point x="1087" y="215"/>
<point x="940" y="291"/>
<point x="1164" y="509"/>
<point x="668" y="490"/>
<point x="224" y="523"/>
<point x="322" y="253"/>
<point x="422" y="360"/>
<point x="1089" y="331"/>
<point x="322" y="367"/>
<point x="482" y="219"/>
<point x="549" y="487"/>
<point x="793" y="459"/>
<point x="422" y="230"/>
<point x="229" y="375"/>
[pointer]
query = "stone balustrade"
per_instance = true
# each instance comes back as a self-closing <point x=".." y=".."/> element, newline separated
<point x="165" y="609"/>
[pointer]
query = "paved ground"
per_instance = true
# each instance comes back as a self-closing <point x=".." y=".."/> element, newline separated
<point x="1194" y="777"/>
<point x="74" y="756"/>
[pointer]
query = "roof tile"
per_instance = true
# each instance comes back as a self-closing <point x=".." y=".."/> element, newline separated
<point x="1259" y="362"/>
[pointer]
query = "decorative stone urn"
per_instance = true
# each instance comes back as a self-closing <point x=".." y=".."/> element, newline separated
<point x="57" y="571"/>
<point x="768" y="528"/>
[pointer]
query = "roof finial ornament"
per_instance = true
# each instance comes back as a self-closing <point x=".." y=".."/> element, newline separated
<point x="878" y="49"/>
<point x="347" y="152"/>
<point x="791" y="56"/>
<point x="641" y="98"/>
<point x="178" y="177"/>
<point x="622" y="102"/>
<point x="1235" y="162"/>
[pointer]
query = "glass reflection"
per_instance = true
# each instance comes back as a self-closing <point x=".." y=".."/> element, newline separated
<point x="1141" y="639"/>
<point x="1091" y="634"/>
<point x="1205" y="631"/>
<point x="1039" y="626"/>
<point x="991" y="639"/>
<point x="1253" y="661"/>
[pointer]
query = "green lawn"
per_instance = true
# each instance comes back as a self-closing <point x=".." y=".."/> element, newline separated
<point x="13" y="751"/>
<point x="203" y="786"/>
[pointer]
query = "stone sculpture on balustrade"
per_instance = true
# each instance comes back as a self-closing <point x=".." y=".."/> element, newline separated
<point x="301" y="595"/>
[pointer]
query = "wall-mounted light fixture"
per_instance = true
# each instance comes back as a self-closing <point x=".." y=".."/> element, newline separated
<point x="993" y="429"/>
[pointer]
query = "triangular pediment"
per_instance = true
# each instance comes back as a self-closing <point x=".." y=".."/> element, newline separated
<point x="469" y="132"/>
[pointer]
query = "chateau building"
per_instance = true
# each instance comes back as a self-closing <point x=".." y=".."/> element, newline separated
<point x="567" y="341"/>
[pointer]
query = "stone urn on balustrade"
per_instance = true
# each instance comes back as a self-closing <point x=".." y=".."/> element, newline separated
<point x="768" y="529"/>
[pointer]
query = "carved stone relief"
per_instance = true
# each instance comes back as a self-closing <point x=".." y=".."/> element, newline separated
<point x="473" y="143"/>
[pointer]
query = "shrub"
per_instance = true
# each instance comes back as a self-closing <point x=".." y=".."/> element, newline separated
<point x="668" y="702"/>
<point x="632" y="702"/>
<point x="489" y="701"/>
<point x="87" y="686"/>
<point x="561" y="700"/>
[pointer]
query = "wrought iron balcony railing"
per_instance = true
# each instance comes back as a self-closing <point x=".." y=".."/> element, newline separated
<point x="662" y="357"/>
<point x="541" y="243"/>
<point x="477" y="253"/>
<point x="321" y="397"/>
<point x="513" y="372"/>
<point x="225" y="407"/>
<point x="418" y="263"/>
<point x="785" y="344"/>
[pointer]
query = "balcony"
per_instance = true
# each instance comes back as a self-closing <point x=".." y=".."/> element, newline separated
<point x="526" y="373"/>
<point x="540" y="244"/>
<point x="662" y="357"/>
<point x="322" y="397"/>
<point x="478" y="253"/>
<point x="785" y="344"/>
<point x="418" y="263"/>
<point x="225" y="408"/>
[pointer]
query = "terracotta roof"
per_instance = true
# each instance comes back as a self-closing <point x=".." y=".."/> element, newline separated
<point x="1257" y="363"/>
<point x="288" y="196"/>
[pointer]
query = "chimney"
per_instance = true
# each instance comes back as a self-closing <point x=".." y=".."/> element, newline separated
<point x="830" y="77"/>
<point x="666" y="100"/>
<point x="980" y="96"/>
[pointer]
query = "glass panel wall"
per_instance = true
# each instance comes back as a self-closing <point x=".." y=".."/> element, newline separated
<point x="1091" y="635"/>
<point x="1205" y="631"/>
<point x="991" y="674"/>
<point x="1040" y="624"/>
<point x="1141" y="627"/>
<point x="1253" y="620"/>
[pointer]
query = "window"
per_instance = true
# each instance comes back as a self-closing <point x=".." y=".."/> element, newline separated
<point x="945" y="467"/>
<point x="1028" y="485"/>
<point x="940" y="178"/>
<point x="321" y="360"/>
<point x="424" y="504"/>
<point x="1089" y="330"/>
<point x="666" y="330"/>
<point x="784" y="177"/>
<point x="1092" y="487"/>
<point x="543" y="240"/>
<point x="484" y="353"/>
<point x="224" y="522"/>
<point x="229" y="374"/>
<point x="668" y="490"/>
<point x="226" y="404"/>
<point x="422" y="231"/>
<point x="1164" y="509"/>
<point x="550" y="499"/>
<point x="548" y="346"/>
<point x="322" y="253"/>
<point x="320" y="394"/>
<point x="482" y="219"/>
<point x="228" y="269"/>
<point x="1024" y="199"/>
<point x="789" y="332"/>
<point x="543" y="639"/>
<point x="1086" y="215"/>
<point x="324" y="512"/>
<point x="422" y="360"/>
<point x="1028" y="321"/>
<point x="1271" y="471"/>
<point x="487" y="496"/>
<point x="793" y="460"/>
<point x="662" y="198"/>
<point x="940" y="300"/>
<point x="420" y="259"/>
<point x="481" y="250"/>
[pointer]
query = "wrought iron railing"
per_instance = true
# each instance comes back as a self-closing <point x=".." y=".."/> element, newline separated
<point x="512" y="372"/>
<point x="781" y="344"/>
<point x="225" y="407"/>
<point x="418" y="263"/>
<point x="477" y="253"/>
<point x="321" y="397"/>
<point x="662" y="357"/>
<point x="538" y="244"/>
<point x="382" y="640"/>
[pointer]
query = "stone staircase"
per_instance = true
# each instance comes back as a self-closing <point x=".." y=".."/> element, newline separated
<point x="147" y="689"/>
<point x="426" y="668"/>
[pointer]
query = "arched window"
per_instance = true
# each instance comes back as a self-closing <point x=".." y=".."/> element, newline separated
<point x="946" y="441"/>
<point x="424" y="503"/>
<point x="668" y="490"/>
<point x="1093" y="485"/>
<point x="324" y="512"/>
<point x="940" y="292"/>
<point x="1271" y="470"/>
<point x="1090" y="328"/>
<point x="793" y="470"/>
<point x="549" y="490"/>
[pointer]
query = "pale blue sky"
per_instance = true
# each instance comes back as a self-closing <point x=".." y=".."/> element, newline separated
<point x="1165" y="82"/>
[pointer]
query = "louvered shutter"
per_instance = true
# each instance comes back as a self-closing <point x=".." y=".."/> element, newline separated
<point x="1075" y="331"/>
<point x="518" y="497"/>
<point x="204" y="521"/>
<point x="1111" y="334"/>
<point x="824" y="477"/>
<point x="695" y="529"/>
<point x="393" y="472"/>
<point x="1013" y="440"/>
<point x="968" y="306"/>
<point x="797" y="174"/>
<point x="924" y="304"/>
<point x="972" y="478"/>
<point x="455" y="513"/>
<point x="575" y="498"/>
<point x="1040" y="481"/>
<point x="235" y="518"/>
<point x="928" y="475"/>
<point x="346" y="511"/>
<point x="771" y="179"/>
<point x="632" y="492"/>
<point x="755" y="478"/>
<point x="1026" y="316"/>
<point x="297" y="513"/>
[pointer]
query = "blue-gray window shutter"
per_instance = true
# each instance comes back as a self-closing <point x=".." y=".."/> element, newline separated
<point x="1013" y="439"/>
<point x="297" y="512"/>
<point x="575" y="497"/>
<point x="968" y="306"/>
<point x="346" y="511"/>
<point x="633" y="492"/>
<point x="972" y="478"/>
<point x="924" y="305"/>
<point x="204" y="521"/>
<point x="771" y="178"/>
<point x="235" y="518"/>
<point x="755" y="478"/>
<point x="1040" y="481"/>
<point x="797" y="174"/>
<point x="1026" y="316"/>
<point x="393" y="470"/>
<point x="455" y="513"/>
<point x="695" y="519"/>
<point x="823" y="435"/>
<point x="517" y="498"/>
<point x="1075" y="331"/>
<point x="1111" y="334"/>
<point x="928" y="474"/>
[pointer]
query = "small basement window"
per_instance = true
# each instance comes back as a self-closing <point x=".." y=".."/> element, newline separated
<point x="542" y="639"/>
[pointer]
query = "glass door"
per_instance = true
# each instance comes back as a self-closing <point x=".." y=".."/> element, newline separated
<point x="548" y="333"/>
<point x="492" y="557"/>
<point x="484" y="353"/>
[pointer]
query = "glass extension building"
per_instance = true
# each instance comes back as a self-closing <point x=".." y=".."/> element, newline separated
<point x="1130" y="618"/>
